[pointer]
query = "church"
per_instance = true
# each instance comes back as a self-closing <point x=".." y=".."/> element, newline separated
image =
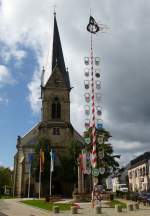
<point x="55" y="124"/>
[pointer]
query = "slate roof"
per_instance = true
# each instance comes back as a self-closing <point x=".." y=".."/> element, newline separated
<point x="141" y="158"/>
<point x="57" y="54"/>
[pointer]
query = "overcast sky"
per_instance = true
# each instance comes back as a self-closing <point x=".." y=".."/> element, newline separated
<point x="25" y="35"/>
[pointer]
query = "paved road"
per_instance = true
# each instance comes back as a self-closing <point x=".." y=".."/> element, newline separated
<point x="2" y="214"/>
<point x="14" y="208"/>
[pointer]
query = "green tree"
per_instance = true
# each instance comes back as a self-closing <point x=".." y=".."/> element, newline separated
<point x="70" y="161"/>
<point x="5" y="177"/>
<point x="65" y="170"/>
<point x="104" y="150"/>
<point x="44" y="144"/>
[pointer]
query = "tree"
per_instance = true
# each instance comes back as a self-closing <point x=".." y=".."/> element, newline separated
<point x="5" y="178"/>
<point x="44" y="144"/>
<point x="104" y="151"/>
<point x="65" y="170"/>
<point x="70" y="161"/>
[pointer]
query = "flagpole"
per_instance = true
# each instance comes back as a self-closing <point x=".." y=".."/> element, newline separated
<point x="50" y="177"/>
<point x="29" y="180"/>
<point x="40" y="177"/>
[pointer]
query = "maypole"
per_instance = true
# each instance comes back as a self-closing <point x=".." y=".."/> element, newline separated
<point x="93" y="110"/>
<point x="93" y="107"/>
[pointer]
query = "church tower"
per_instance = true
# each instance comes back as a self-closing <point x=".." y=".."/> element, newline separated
<point x="56" y="92"/>
<point x="55" y="123"/>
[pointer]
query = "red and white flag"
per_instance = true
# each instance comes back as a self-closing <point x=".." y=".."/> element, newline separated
<point x="42" y="158"/>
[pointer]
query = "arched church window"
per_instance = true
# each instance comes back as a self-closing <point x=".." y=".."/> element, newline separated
<point x="56" y="109"/>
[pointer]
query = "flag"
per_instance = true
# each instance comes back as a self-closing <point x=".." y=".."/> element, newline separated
<point x="83" y="161"/>
<point x="52" y="160"/>
<point x="30" y="157"/>
<point x="41" y="160"/>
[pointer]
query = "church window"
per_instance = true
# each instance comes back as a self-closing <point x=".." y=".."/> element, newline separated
<point x="56" y="131"/>
<point x="56" y="109"/>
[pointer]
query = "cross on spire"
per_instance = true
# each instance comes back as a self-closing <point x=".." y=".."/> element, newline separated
<point x="54" y="10"/>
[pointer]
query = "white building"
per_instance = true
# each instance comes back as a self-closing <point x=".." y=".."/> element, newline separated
<point x="119" y="177"/>
<point x="139" y="173"/>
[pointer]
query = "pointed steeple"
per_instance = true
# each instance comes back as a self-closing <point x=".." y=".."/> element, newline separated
<point x="57" y="54"/>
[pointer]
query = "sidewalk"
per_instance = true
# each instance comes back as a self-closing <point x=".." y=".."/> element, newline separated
<point x="13" y="207"/>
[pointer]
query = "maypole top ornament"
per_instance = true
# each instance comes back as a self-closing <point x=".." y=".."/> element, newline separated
<point x="92" y="27"/>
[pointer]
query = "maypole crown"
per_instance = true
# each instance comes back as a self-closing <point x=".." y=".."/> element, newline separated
<point x="92" y="27"/>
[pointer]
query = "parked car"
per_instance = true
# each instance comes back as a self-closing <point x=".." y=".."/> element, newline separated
<point x="122" y="187"/>
<point x="148" y="198"/>
<point x="144" y="197"/>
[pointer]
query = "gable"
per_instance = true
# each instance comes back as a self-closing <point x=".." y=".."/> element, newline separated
<point x="56" y="79"/>
<point x="31" y="137"/>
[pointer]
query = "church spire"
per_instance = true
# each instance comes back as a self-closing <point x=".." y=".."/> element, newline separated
<point x="57" y="54"/>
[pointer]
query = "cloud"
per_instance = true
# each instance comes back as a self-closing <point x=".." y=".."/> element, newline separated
<point x="4" y="100"/>
<point x="8" y="53"/>
<point x="125" y="146"/>
<point x="34" y="96"/>
<point x="124" y="52"/>
<point x="77" y="110"/>
<point x="5" y="76"/>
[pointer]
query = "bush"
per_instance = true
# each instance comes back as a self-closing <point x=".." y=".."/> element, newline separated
<point x="134" y="197"/>
<point x="119" y="194"/>
<point x="111" y="197"/>
<point x="47" y="199"/>
<point x="127" y="195"/>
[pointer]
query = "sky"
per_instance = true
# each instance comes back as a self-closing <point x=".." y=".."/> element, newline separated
<point x="25" y="36"/>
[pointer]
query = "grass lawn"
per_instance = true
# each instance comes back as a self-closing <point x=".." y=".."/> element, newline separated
<point x="116" y="202"/>
<point x="6" y="197"/>
<point x="49" y="206"/>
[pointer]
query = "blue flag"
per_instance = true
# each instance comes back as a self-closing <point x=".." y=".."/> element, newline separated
<point x="30" y="157"/>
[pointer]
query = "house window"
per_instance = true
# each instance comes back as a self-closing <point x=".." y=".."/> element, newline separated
<point x="56" y="131"/>
<point x="140" y="171"/>
<point x="130" y="174"/>
<point x="144" y="171"/>
<point x="56" y="109"/>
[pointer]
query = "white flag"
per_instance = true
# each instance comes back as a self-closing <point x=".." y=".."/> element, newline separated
<point x="52" y="160"/>
<point x="84" y="160"/>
